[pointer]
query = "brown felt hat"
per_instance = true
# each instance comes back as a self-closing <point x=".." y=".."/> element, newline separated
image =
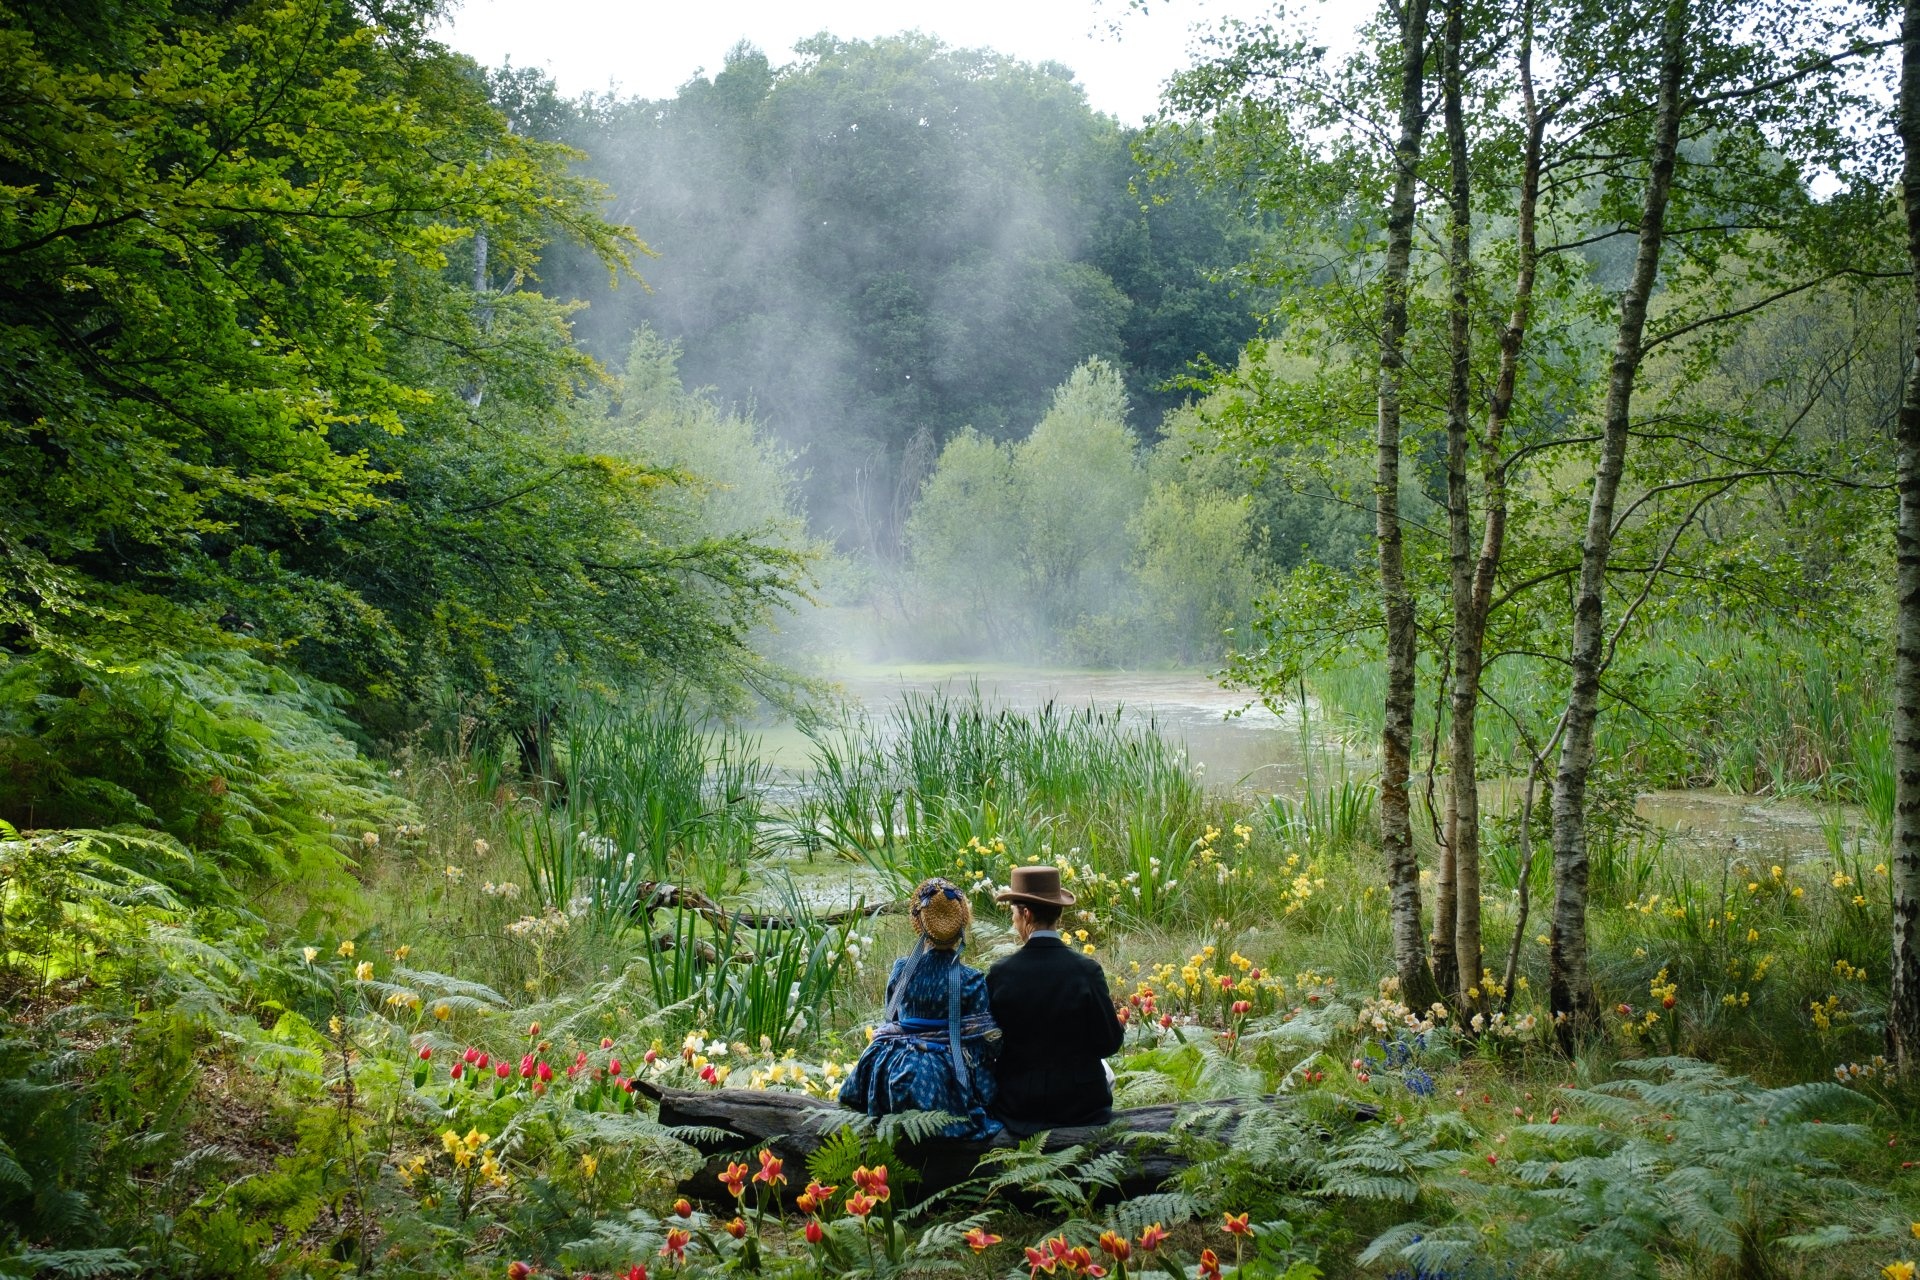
<point x="941" y="912"/>
<point x="1035" y="884"/>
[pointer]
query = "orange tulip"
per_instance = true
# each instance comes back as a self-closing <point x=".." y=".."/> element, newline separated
<point x="770" y="1168"/>
<point x="1151" y="1238"/>
<point x="737" y="1228"/>
<point x="860" y="1205"/>
<point x="1209" y="1265"/>
<point x="1115" y="1246"/>
<point x="735" y="1179"/>
<point x="979" y="1241"/>
<point x="1236" y="1226"/>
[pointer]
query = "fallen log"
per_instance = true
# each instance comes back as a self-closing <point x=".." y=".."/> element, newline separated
<point x="653" y="897"/>
<point x="795" y="1126"/>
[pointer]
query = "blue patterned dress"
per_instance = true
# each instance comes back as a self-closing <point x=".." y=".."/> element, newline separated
<point x="909" y="1064"/>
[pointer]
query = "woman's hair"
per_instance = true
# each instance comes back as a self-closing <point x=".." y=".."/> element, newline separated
<point x="1043" y="915"/>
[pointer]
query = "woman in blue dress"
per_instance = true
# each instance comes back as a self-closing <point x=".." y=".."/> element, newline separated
<point x="932" y="1051"/>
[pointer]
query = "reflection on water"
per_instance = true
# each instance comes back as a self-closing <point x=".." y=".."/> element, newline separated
<point x="1756" y="830"/>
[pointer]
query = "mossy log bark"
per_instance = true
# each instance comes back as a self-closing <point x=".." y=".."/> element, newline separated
<point x="794" y="1126"/>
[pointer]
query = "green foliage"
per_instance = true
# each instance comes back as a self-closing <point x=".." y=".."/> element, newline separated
<point x="1065" y="545"/>
<point x="226" y="754"/>
<point x="207" y="281"/>
<point x="1066" y="1182"/>
<point x="1691" y="1166"/>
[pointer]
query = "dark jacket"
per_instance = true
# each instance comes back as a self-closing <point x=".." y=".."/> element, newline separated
<point x="1057" y="1022"/>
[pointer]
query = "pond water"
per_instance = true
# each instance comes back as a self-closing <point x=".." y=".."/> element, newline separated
<point x="1253" y="749"/>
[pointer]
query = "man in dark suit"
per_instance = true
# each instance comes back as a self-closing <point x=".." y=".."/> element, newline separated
<point x="1055" y="1014"/>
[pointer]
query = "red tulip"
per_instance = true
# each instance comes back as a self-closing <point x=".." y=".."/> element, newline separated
<point x="819" y="1193"/>
<point x="682" y="1208"/>
<point x="526" y="1067"/>
<point x="613" y="1066"/>
<point x="471" y="1055"/>
<point x="426" y="1052"/>
<point x="769" y="1169"/>
<point x="708" y="1074"/>
<point x="815" y="1232"/>
<point x="860" y="1204"/>
<point x="1039" y="1261"/>
<point x="872" y="1181"/>
<point x="1115" y="1246"/>
<point x="1236" y="1226"/>
<point x="458" y="1067"/>
<point x="1151" y="1237"/>
<point x="1241" y="1007"/>
<point x="503" y="1071"/>
<point x="518" y="1270"/>
<point x="737" y="1228"/>
<point x="650" y="1057"/>
<point x="483" y="1062"/>
<point x="1209" y="1265"/>
<point x="676" y="1245"/>
<point x="606" y="1042"/>
<point x="544" y="1071"/>
<point x="635" y="1272"/>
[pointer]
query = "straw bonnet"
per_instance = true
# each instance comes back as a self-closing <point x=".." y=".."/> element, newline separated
<point x="941" y="913"/>
<point x="1035" y="884"/>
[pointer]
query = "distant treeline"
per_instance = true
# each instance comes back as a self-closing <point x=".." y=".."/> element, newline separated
<point x="882" y="244"/>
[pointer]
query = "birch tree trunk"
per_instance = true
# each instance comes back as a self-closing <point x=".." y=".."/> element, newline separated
<point x="1493" y="467"/>
<point x="1903" y="1013"/>
<point x="1463" y="792"/>
<point x="1396" y="823"/>
<point x="1570" y="983"/>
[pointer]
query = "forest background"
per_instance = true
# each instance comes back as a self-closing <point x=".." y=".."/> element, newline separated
<point x="374" y="419"/>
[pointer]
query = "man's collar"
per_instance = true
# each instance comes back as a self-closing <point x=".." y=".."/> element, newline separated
<point x="1044" y="933"/>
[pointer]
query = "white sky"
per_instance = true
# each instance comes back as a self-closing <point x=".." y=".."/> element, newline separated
<point x="1121" y="57"/>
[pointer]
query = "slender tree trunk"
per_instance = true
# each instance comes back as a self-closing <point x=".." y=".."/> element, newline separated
<point x="1570" y="983"/>
<point x="1463" y="791"/>
<point x="1396" y="822"/>
<point x="477" y="392"/>
<point x="1903" y="1013"/>
<point x="1493" y="468"/>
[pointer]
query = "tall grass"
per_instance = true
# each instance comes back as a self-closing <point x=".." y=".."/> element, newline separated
<point x="641" y="795"/>
<point x="752" y="981"/>
<point x="943" y="772"/>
